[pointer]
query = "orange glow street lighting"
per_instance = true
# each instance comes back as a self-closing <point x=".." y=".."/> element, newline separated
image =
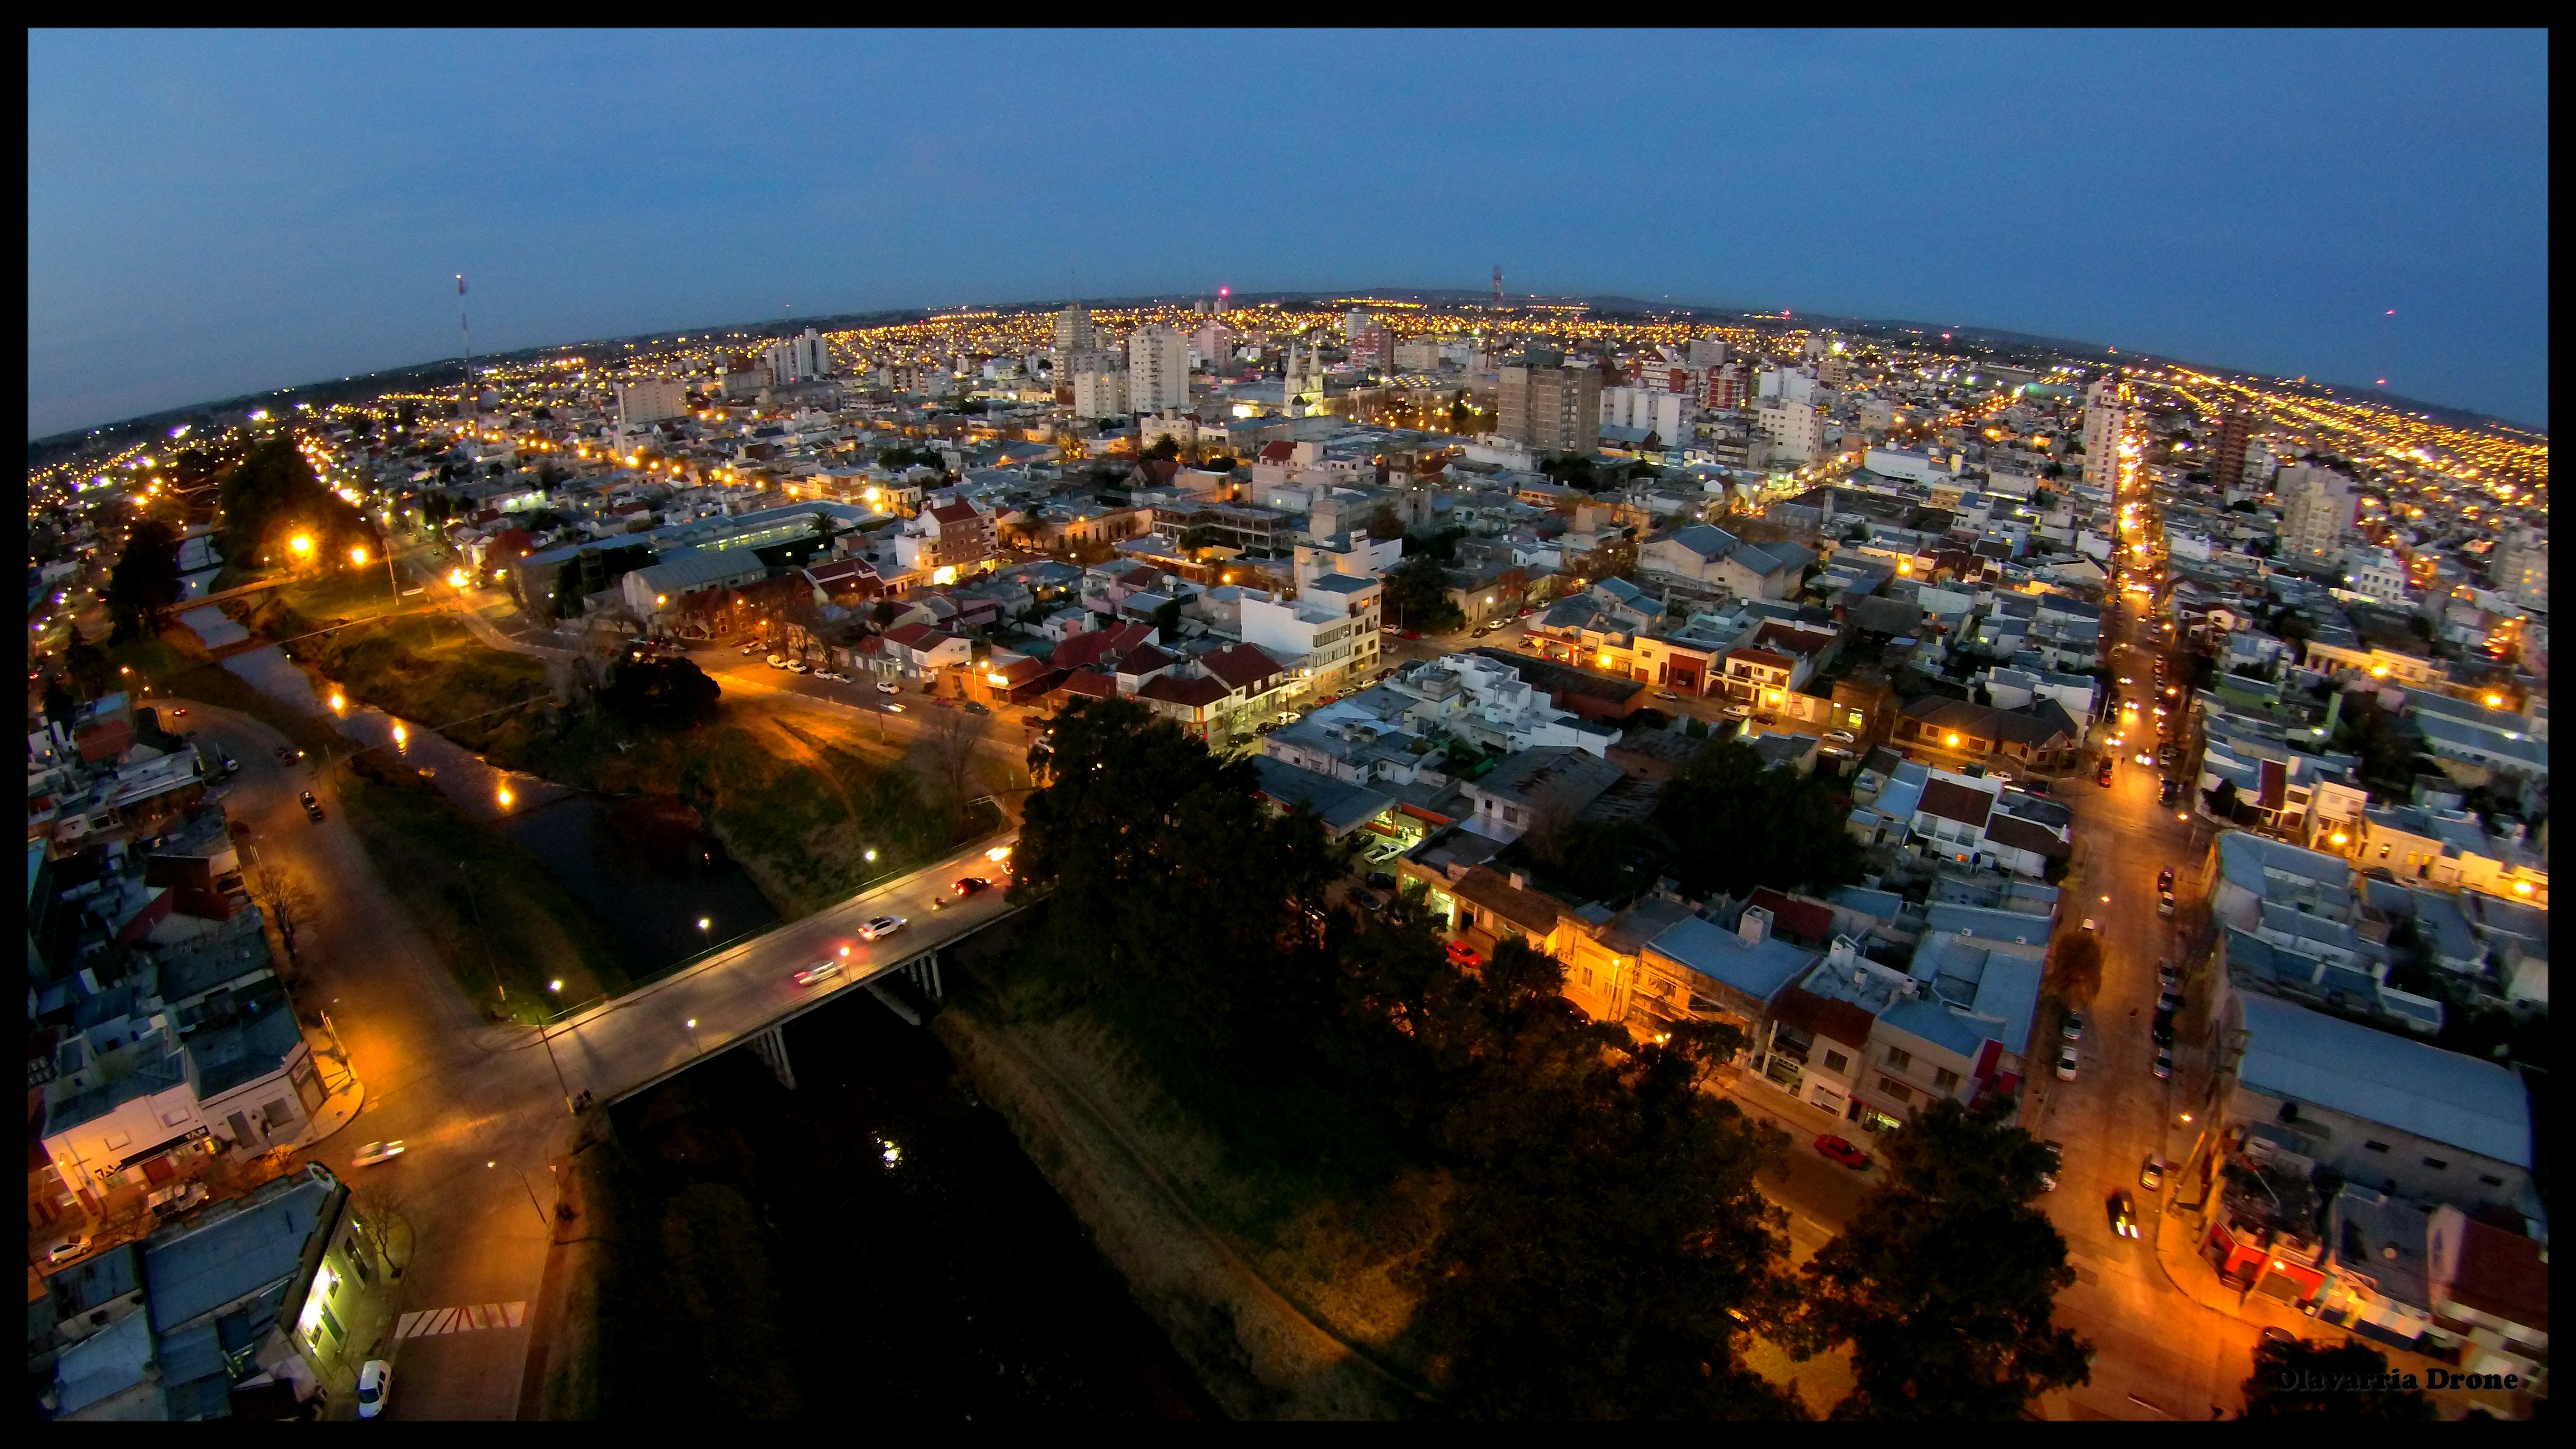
<point x="301" y="545"/>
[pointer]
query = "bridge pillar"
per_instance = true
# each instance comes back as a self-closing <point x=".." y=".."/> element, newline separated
<point x="771" y="1047"/>
<point x="924" y="971"/>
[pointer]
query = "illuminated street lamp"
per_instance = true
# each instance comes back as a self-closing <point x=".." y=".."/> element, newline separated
<point x="301" y="545"/>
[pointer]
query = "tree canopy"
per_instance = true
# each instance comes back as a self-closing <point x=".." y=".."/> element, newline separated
<point x="1943" y="1283"/>
<point x="662" y="694"/>
<point x="273" y="493"/>
<point x="2291" y="1381"/>
<point x="145" y="582"/>
<point x="1417" y="595"/>
<point x="1736" y="824"/>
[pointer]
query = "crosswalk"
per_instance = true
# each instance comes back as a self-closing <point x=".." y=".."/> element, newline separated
<point x="430" y="1322"/>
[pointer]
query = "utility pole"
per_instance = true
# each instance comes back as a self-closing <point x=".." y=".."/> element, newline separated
<point x="465" y="408"/>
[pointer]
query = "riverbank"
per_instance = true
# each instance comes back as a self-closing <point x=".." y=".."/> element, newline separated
<point x="1287" y="1302"/>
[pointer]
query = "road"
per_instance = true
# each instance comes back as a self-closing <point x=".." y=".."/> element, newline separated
<point x="481" y="1108"/>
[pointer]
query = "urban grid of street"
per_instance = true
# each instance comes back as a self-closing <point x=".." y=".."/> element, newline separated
<point x="483" y="1109"/>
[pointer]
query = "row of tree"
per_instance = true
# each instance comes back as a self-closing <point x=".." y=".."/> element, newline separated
<point x="1605" y="1252"/>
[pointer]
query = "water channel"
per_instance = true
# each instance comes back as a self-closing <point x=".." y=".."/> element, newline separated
<point x="649" y="870"/>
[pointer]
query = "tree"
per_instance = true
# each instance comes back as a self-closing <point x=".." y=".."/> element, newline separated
<point x="884" y="612"/>
<point x="59" y="705"/>
<point x="1167" y="618"/>
<point x="145" y="582"/>
<point x="1737" y="824"/>
<point x="1459" y="414"/>
<point x="2349" y="1380"/>
<point x="1944" y="1283"/>
<point x="950" y="738"/>
<point x="87" y="666"/>
<point x="2075" y="968"/>
<point x="663" y="694"/>
<point x="1165" y="449"/>
<point x="826" y="527"/>
<point x="1417" y="595"/>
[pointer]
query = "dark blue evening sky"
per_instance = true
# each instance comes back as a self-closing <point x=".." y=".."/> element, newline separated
<point x="212" y="214"/>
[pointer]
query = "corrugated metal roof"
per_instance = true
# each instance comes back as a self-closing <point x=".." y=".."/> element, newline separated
<point x="2294" y="1053"/>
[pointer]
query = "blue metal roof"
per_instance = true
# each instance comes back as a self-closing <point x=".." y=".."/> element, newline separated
<point x="2294" y="1053"/>
<point x="1759" y="971"/>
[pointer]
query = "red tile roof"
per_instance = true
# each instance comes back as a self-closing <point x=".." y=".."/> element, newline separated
<point x="1092" y="683"/>
<point x="2503" y="1275"/>
<point x="1953" y="801"/>
<point x="1807" y="920"/>
<point x="1097" y="646"/>
<point x="1763" y="657"/>
<point x="1241" y="666"/>
<point x="1278" y="452"/>
<point x="1144" y="659"/>
<point x="1828" y="1017"/>
<point x="1195" y="693"/>
<point x="917" y="636"/>
<point x="956" y="513"/>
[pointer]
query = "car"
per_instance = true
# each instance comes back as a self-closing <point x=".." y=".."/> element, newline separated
<point x="749" y="650"/>
<point x="1462" y="955"/>
<point x="1842" y="737"/>
<point x="879" y="927"/>
<point x="2048" y="1174"/>
<point x="312" y="807"/>
<point x="1380" y="880"/>
<point x="892" y="708"/>
<point x="777" y="661"/>
<point x="2090" y="924"/>
<point x="2165" y="878"/>
<point x="2072" y="1028"/>
<point x="1736" y="711"/>
<point x="2102" y="776"/>
<point x="2143" y="758"/>
<point x="888" y="686"/>
<point x="2165" y="907"/>
<point x="231" y="765"/>
<point x="2066" y="1063"/>
<point x="2036" y="786"/>
<point x="967" y="885"/>
<point x="1667" y="694"/>
<point x="2124" y="1215"/>
<point x="2152" y="1175"/>
<point x="796" y="666"/>
<point x="2169" y="793"/>
<point x="178" y="709"/>
<point x="2167" y="1003"/>
<point x="2164" y="1063"/>
<point x="1408" y="633"/>
<point x="2161" y="1031"/>
<point x="2124" y="679"/>
<point x="1365" y="899"/>
<point x="2280" y="1336"/>
<point x="285" y="754"/>
<point x="375" y="1382"/>
<point x="976" y="706"/>
<point x="375" y="1152"/>
<point x="178" y="1197"/>
<point x="1842" y="1151"/>
<point x="1766" y="717"/>
<point x="68" y="1249"/>
<point x="823" y="970"/>
<point x="2166" y="976"/>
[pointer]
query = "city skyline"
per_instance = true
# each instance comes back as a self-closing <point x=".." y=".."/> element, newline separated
<point x="325" y="194"/>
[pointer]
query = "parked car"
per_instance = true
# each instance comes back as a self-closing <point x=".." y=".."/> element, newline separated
<point x="749" y="650"/>
<point x="2124" y="1214"/>
<point x="375" y="1152"/>
<point x="2073" y="1027"/>
<point x="178" y="1197"/>
<point x="312" y="807"/>
<point x="976" y="707"/>
<point x="1842" y="1151"/>
<point x="2165" y="879"/>
<point x="1462" y="955"/>
<point x="893" y="708"/>
<point x="68" y="1249"/>
<point x="1380" y="880"/>
<point x="2161" y="1031"/>
<point x="2066" y="1063"/>
<point x="2102" y="776"/>
<point x="2152" y="1175"/>
<point x="2164" y="1063"/>
<point x="1408" y="633"/>
<point x="1841" y="737"/>
<point x="796" y="666"/>
<point x="2048" y="1175"/>
<point x="823" y="970"/>
<point x="888" y="686"/>
<point x="2167" y="977"/>
<point x="777" y="661"/>
<point x="880" y="927"/>
<point x="2165" y="907"/>
<point x="375" y="1381"/>
<point x="2167" y="1003"/>
<point x="1667" y="694"/>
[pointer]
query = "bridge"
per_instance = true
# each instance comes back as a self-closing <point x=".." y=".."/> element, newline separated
<point x="744" y="994"/>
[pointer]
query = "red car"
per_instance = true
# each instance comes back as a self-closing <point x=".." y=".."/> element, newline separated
<point x="967" y="885"/>
<point x="1463" y="955"/>
<point x="1408" y="633"/>
<point x="1842" y="1152"/>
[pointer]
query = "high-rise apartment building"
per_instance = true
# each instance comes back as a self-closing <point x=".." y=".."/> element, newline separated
<point x="1549" y="406"/>
<point x="1796" y="430"/>
<point x="1101" y="392"/>
<point x="2227" y="450"/>
<point x="2316" y="511"/>
<point x="1705" y="352"/>
<point x="650" y="400"/>
<point x="1730" y="386"/>
<point x="2106" y="425"/>
<point x="2519" y="567"/>
<point x="1664" y="415"/>
<point x="1073" y="331"/>
<point x="1158" y="369"/>
<point x="804" y="358"/>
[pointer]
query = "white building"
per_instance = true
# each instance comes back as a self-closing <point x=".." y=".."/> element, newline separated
<point x="1158" y="369"/>
<point x="2376" y="572"/>
<point x="1073" y="331"/>
<point x="1101" y="394"/>
<point x="1315" y="637"/>
<point x="1665" y="414"/>
<point x="805" y="358"/>
<point x="2316" y="511"/>
<point x="1796" y="431"/>
<point x="650" y="400"/>
<point x="2519" y="567"/>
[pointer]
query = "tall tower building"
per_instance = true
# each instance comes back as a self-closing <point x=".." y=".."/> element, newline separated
<point x="1551" y="407"/>
<point x="1158" y="369"/>
<point x="2227" y="460"/>
<point x="1303" y="391"/>
<point x="806" y="358"/>
<point x="2106" y="424"/>
<point x="1073" y="332"/>
<point x="2316" y="511"/>
<point x="2519" y="567"/>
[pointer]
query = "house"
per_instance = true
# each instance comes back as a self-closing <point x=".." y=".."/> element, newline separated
<point x="1546" y="786"/>
<point x="920" y="651"/>
<point x="651" y="594"/>
<point x="2038" y="739"/>
<point x="1340" y="806"/>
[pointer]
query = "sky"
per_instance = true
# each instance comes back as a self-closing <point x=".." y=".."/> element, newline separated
<point x="212" y="214"/>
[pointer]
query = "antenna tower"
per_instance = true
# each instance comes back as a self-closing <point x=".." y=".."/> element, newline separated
<point x="466" y="403"/>
<point x="1498" y="284"/>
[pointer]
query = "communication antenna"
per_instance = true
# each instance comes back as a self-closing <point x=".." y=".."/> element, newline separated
<point x="1498" y="284"/>
<point x="466" y="409"/>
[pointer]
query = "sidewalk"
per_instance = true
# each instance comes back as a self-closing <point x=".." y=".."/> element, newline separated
<point x="340" y="1108"/>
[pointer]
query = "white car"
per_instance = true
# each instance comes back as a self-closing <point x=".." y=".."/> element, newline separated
<point x="796" y="666"/>
<point x="749" y="650"/>
<point x="69" y="1248"/>
<point x="888" y="686"/>
<point x="375" y="1381"/>
<point x="1840" y="737"/>
<point x="777" y="661"/>
<point x="823" y="970"/>
<point x="2066" y="1063"/>
<point x="375" y="1152"/>
<point x="880" y="928"/>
